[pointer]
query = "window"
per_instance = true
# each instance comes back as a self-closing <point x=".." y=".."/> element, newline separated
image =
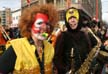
<point x="16" y="17"/>
<point x="13" y="18"/>
<point x="61" y="14"/>
<point x="74" y="1"/>
<point x="49" y="1"/>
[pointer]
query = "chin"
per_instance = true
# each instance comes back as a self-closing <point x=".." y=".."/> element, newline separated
<point x="41" y="38"/>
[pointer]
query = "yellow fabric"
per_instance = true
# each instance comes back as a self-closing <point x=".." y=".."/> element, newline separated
<point x="25" y="53"/>
<point x="48" y="70"/>
<point x="72" y="12"/>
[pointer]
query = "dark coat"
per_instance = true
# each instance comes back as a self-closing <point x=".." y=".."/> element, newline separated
<point x="80" y="42"/>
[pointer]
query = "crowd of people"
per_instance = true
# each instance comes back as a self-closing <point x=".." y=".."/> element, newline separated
<point x="39" y="48"/>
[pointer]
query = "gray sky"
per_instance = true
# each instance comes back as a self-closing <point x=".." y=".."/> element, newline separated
<point x="15" y="4"/>
<point x="105" y="10"/>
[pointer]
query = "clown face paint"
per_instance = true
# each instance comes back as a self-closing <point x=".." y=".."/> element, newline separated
<point x="40" y="26"/>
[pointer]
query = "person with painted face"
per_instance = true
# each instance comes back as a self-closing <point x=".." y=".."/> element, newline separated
<point x="72" y="46"/>
<point x="32" y="53"/>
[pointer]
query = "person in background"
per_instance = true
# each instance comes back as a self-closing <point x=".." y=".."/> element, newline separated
<point x="4" y="37"/>
<point x="32" y="53"/>
<point x="14" y="33"/>
<point x="74" y="46"/>
<point x="2" y="40"/>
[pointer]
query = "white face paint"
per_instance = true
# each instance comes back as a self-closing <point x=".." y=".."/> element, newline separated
<point x="39" y="28"/>
<point x="40" y="37"/>
<point x="38" y="23"/>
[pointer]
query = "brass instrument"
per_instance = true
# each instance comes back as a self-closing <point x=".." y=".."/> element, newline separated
<point x="87" y="63"/>
<point x="53" y="36"/>
<point x="72" y="64"/>
<point x="92" y="54"/>
<point x="5" y="35"/>
<point x="3" y="39"/>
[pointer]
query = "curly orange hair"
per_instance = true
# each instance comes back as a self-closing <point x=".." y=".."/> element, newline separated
<point x="27" y="18"/>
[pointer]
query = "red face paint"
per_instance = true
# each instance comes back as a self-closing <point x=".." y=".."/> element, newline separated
<point x="40" y="21"/>
<point x="41" y="16"/>
<point x="35" y="30"/>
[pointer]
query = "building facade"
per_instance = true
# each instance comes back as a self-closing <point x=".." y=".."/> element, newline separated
<point x="15" y="18"/>
<point x="92" y="8"/>
<point x="6" y="17"/>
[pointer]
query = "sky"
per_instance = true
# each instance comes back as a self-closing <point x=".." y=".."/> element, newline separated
<point x="105" y="10"/>
<point x="15" y="4"/>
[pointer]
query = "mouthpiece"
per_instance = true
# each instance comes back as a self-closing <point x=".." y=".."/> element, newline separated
<point x="45" y="34"/>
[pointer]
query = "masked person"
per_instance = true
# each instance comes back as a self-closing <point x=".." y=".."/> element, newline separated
<point x="31" y="54"/>
<point x="73" y="46"/>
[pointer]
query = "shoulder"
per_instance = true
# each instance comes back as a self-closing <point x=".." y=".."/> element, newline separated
<point x="15" y="41"/>
<point x="48" y="47"/>
<point x="63" y="33"/>
<point x="18" y="39"/>
<point x="48" y="44"/>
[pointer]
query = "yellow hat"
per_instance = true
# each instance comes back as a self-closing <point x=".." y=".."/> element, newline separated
<point x="72" y="12"/>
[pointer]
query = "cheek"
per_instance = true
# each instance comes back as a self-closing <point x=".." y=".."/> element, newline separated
<point x="35" y="29"/>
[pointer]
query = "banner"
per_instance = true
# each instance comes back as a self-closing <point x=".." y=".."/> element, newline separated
<point x="28" y="1"/>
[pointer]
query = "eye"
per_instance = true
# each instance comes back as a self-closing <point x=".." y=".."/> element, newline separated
<point x="39" y="23"/>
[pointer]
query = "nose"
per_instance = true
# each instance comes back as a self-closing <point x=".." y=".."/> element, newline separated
<point x="43" y="27"/>
<point x="43" y="24"/>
